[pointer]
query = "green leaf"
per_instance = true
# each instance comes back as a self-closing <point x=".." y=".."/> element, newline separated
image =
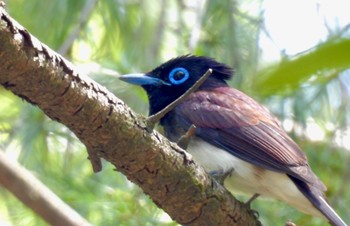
<point x="288" y="75"/>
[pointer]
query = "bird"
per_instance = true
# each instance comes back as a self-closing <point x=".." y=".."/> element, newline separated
<point x="234" y="136"/>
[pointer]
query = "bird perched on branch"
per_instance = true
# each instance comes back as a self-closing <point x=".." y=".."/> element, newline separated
<point x="234" y="134"/>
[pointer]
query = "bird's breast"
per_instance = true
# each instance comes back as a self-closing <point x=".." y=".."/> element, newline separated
<point x="247" y="178"/>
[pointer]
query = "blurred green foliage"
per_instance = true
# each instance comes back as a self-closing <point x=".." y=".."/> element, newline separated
<point x="130" y="36"/>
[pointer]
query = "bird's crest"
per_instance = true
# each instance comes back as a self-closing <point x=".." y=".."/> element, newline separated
<point x="220" y="70"/>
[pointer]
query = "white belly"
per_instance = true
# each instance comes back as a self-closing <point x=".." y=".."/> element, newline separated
<point x="249" y="179"/>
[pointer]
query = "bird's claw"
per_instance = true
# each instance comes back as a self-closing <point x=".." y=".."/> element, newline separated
<point x="220" y="175"/>
<point x="249" y="202"/>
<point x="248" y="205"/>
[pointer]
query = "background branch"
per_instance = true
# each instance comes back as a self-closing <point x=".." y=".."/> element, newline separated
<point x="85" y="14"/>
<point x="36" y="195"/>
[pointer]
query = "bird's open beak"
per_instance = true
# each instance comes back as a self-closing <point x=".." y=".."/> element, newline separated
<point x="142" y="79"/>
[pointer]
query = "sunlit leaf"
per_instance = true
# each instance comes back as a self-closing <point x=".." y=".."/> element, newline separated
<point x="288" y="75"/>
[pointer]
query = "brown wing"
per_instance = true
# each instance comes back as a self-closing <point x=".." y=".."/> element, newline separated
<point x="229" y="119"/>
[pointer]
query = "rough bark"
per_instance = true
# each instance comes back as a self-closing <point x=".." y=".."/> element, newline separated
<point x="111" y="130"/>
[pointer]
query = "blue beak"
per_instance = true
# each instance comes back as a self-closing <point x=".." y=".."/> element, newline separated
<point x="142" y="79"/>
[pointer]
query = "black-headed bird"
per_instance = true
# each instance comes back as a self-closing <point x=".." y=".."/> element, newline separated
<point x="234" y="134"/>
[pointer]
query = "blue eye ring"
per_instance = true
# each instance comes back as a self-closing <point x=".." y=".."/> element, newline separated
<point x="173" y="72"/>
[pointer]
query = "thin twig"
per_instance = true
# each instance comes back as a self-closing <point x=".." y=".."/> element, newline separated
<point x="94" y="159"/>
<point x="85" y="15"/>
<point x="185" y="139"/>
<point x="153" y="119"/>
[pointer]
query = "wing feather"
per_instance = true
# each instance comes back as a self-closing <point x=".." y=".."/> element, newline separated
<point x="228" y="118"/>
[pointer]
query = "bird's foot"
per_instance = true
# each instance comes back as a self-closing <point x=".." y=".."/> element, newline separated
<point x="248" y="205"/>
<point x="254" y="212"/>
<point x="220" y="175"/>
<point x="249" y="202"/>
<point x="186" y="138"/>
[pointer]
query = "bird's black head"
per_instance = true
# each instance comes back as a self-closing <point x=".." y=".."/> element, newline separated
<point x="170" y="80"/>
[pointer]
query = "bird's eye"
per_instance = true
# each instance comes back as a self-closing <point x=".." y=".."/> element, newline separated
<point x="178" y="75"/>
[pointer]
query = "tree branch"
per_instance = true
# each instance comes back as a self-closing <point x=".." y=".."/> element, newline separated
<point x="112" y="131"/>
<point x="36" y="195"/>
